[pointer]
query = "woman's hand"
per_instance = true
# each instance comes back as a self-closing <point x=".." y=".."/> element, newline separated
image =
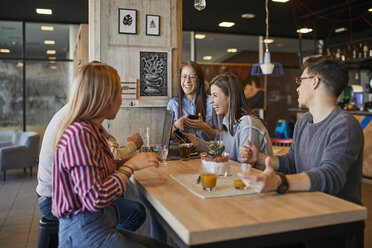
<point x="180" y="123"/>
<point x="143" y="160"/>
<point x="198" y="124"/>
<point x="194" y="140"/>
<point x="249" y="153"/>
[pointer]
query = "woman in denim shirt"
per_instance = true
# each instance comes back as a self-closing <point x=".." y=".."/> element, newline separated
<point x="192" y="100"/>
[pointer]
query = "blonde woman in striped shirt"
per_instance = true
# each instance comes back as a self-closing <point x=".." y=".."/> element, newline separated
<point x="86" y="178"/>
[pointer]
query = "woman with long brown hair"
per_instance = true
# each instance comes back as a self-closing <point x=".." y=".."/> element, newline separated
<point x="192" y="100"/>
<point x="86" y="178"/>
<point x="236" y="120"/>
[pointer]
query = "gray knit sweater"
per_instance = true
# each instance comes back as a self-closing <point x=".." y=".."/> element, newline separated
<point x="329" y="152"/>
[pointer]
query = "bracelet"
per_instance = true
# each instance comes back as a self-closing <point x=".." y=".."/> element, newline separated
<point x="131" y="169"/>
<point x="124" y="172"/>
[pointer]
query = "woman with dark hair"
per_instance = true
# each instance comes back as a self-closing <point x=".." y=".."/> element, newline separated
<point x="192" y="100"/>
<point x="236" y="120"/>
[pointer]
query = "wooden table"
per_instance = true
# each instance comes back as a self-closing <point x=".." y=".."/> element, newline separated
<point x="280" y="150"/>
<point x="257" y="219"/>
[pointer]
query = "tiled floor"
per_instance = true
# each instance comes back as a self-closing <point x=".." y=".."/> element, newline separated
<point x="19" y="213"/>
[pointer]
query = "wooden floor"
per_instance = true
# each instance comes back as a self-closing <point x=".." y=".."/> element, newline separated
<point x="19" y="213"/>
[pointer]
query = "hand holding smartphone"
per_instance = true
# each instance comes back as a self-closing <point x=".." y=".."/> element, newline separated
<point x="181" y="137"/>
<point x="193" y="117"/>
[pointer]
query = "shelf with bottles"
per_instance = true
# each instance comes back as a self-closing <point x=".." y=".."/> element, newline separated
<point x="357" y="54"/>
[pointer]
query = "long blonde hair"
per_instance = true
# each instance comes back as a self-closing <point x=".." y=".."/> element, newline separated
<point x="92" y="93"/>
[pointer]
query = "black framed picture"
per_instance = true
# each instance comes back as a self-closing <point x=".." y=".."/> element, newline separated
<point x="127" y="21"/>
<point x="153" y="25"/>
<point x="153" y="73"/>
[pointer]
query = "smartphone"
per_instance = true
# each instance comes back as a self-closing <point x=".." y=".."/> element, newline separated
<point x="180" y="136"/>
<point x="193" y="117"/>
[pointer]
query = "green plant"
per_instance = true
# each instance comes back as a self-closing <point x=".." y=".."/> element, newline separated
<point x="216" y="149"/>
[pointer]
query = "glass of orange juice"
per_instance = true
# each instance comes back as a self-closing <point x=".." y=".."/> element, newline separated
<point x="239" y="168"/>
<point x="208" y="177"/>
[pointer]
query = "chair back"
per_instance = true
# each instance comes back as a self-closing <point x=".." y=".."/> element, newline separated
<point x="30" y="140"/>
<point x="281" y="142"/>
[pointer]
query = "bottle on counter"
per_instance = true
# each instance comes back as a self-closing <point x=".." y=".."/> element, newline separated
<point x="365" y="49"/>
<point x="349" y="52"/>
<point x="355" y="53"/>
<point x="360" y="50"/>
<point x="370" y="49"/>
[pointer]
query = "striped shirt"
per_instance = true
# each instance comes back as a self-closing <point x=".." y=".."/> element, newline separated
<point x="83" y="172"/>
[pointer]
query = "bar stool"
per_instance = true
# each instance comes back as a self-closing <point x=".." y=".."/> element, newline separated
<point x="48" y="233"/>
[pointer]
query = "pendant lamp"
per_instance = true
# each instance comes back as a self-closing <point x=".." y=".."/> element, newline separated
<point x="267" y="67"/>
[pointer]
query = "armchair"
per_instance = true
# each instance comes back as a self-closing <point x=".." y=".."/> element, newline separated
<point x="22" y="152"/>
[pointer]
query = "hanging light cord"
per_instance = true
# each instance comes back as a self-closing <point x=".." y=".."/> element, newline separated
<point x="267" y="23"/>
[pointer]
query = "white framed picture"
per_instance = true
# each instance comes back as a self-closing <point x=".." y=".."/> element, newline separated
<point x="153" y="25"/>
<point x="127" y="21"/>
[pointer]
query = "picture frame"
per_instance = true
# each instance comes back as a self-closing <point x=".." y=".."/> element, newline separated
<point x="127" y="21"/>
<point x="154" y="67"/>
<point x="153" y="25"/>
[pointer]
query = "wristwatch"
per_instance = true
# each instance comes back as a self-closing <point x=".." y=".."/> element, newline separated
<point x="283" y="186"/>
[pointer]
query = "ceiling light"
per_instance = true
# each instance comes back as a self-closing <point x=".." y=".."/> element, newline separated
<point x="4" y="50"/>
<point x="232" y="50"/>
<point x="268" y="41"/>
<point x="200" y="4"/>
<point x="52" y="62"/>
<point x="370" y="10"/>
<point x="19" y="64"/>
<point x="207" y="57"/>
<point x="267" y="67"/>
<point x="304" y="30"/>
<point x="44" y="11"/>
<point x="200" y="36"/>
<point x="340" y="30"/>
<point x="51" y="51"/>
<point x="47" y="28"/>
<point x="280" y="1"/>
<point x="49" y="42"/>
<point x="248" y="15"/>
<point x="53" y="67"/>
<point x="51" y="58"/>
<point x="226" y="24"/>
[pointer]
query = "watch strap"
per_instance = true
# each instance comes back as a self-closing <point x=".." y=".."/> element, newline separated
<point x="283" y="186"/>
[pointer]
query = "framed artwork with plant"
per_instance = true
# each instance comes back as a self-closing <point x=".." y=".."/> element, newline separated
<point x="127" y="21"/>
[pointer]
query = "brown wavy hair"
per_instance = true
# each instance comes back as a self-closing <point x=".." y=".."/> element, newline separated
<point x="231" y="86"/>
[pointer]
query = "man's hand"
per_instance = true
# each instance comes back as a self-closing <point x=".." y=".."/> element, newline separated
<point x="265" y="182"/>
<point x="249" y="153"/>
<point x="136" y="139"/>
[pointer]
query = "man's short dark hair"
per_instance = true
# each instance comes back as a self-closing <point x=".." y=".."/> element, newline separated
<point x="250" y="79"/>
<point x="333" y="71"/>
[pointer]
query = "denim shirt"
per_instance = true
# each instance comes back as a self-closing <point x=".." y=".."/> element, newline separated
<point x="189" y="108"/>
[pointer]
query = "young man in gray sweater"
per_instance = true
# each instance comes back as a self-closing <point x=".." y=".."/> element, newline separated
<point x="327" y="150"/>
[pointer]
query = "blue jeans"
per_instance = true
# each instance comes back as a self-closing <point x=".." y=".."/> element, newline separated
<point x="94" y="230"/>
<point x="132" y="213"/>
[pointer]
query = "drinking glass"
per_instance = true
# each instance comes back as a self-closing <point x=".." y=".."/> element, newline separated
<point x="164" y="154"/>
<point x="145" y="134"/>
<point x="185" y="151"/>
<point x="208" y="177"/>
<point x="239" y="168"/>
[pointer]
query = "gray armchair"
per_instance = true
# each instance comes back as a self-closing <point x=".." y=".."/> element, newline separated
<point x="22" y="152"/>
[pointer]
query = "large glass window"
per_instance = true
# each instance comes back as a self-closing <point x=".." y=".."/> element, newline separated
<point x="47" y="66"/>
<point x="11" y="93"/>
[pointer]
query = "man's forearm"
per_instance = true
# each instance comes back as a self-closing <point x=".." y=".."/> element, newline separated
<point x="260" y="163"/>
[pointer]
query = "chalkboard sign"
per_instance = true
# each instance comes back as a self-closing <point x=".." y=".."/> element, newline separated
<point x="153" y="73"/>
